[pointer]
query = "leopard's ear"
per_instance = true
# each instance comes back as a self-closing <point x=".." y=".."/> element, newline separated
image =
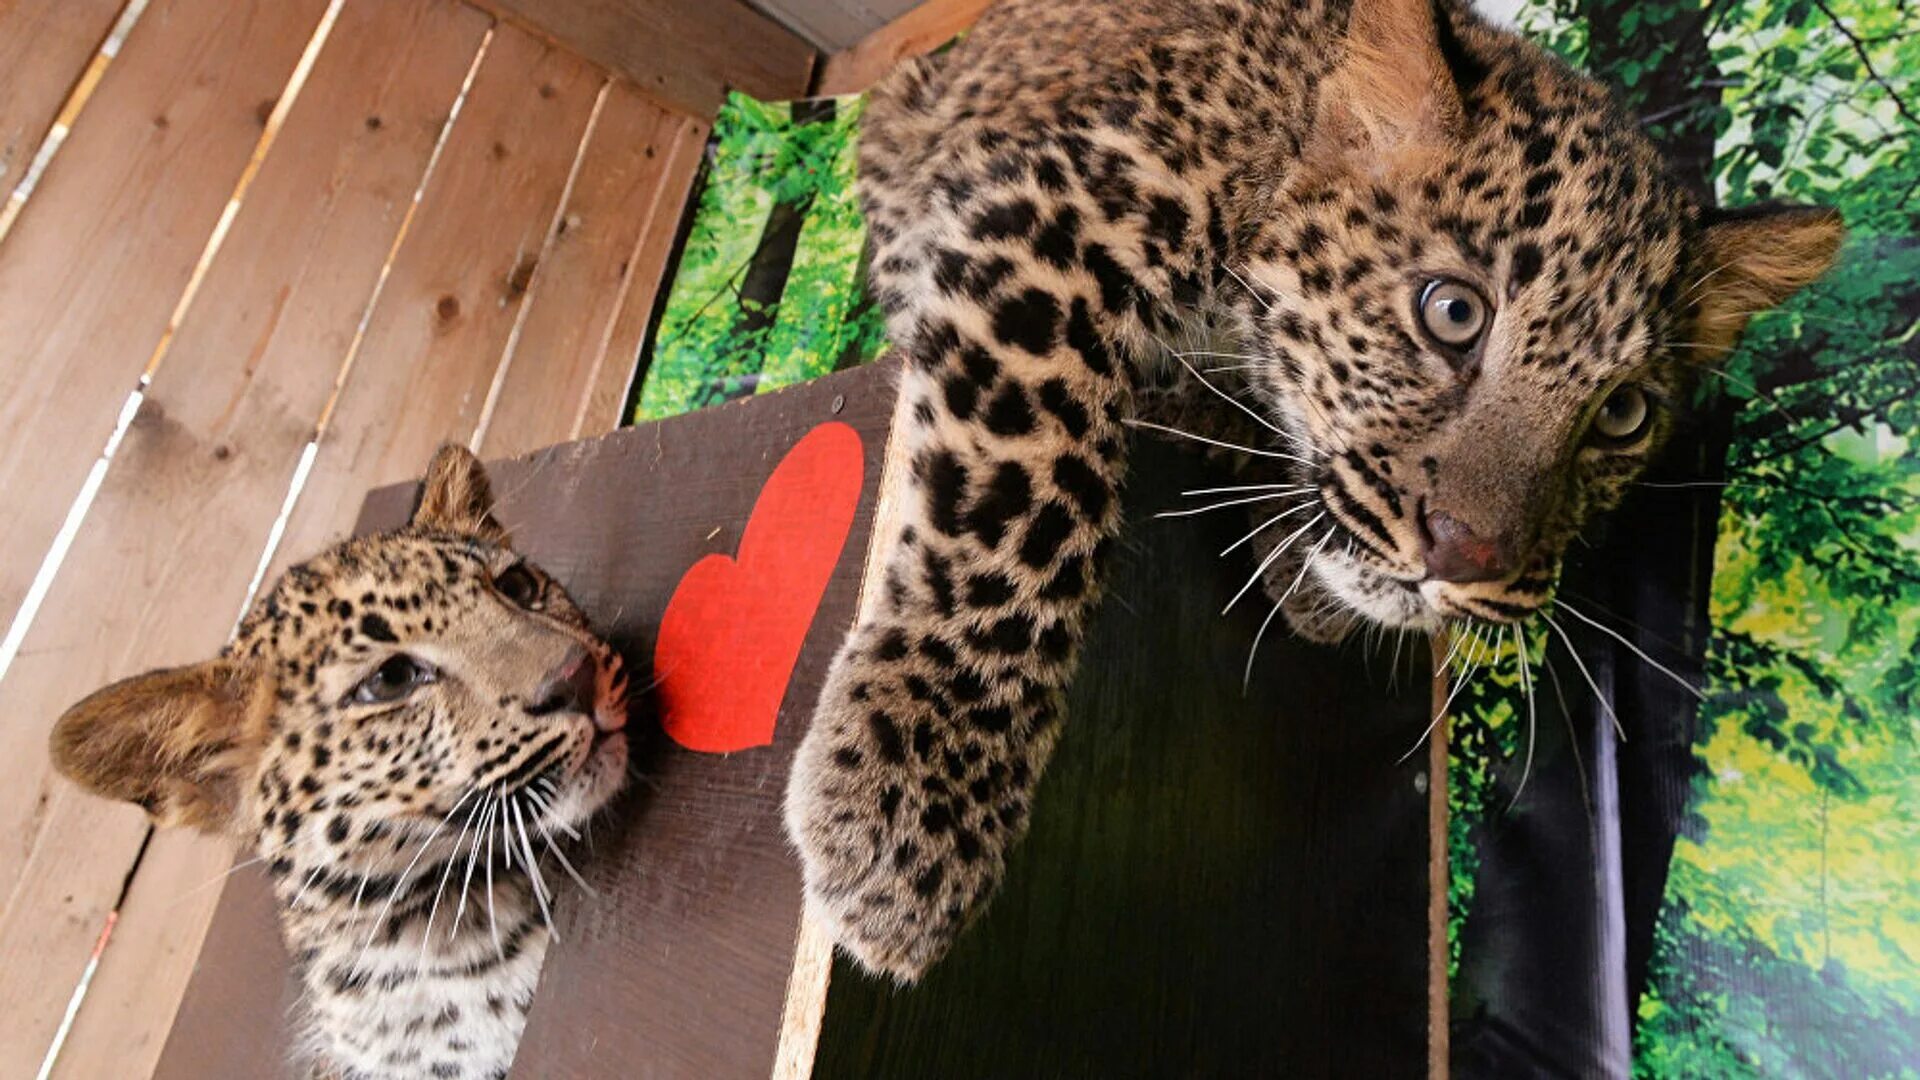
<point x="177" y="742"/>
<point x="457" y="498"/>
<point x="1392" y="98"/>
<point x="1752" y="259"/>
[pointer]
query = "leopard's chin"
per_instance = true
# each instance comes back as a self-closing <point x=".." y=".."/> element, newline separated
<point x="1370" y="595"/>
<point x="1345" y="591"/>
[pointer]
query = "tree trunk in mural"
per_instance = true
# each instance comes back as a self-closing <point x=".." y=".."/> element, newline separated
<point x="765" y="280"/>
<point x="1660" y="570"/>
<point x="1572" y="870"/>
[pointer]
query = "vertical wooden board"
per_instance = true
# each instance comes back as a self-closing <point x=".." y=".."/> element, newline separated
<point x="605" y="405"/>
<point x="93" y="269"/>
<point x="679" y="966"/>
<point x="45" y="46"/>
<point x="684" y="53"/>
<point x="442" y="321"/>
<point x="170" y="545"/>
<point x="584" y="274"/>
<point x="236" y="1018"/>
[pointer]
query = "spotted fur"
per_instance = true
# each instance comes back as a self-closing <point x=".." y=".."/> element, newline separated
<point x="396" y="832"/>
<point x="1078" y="180"/>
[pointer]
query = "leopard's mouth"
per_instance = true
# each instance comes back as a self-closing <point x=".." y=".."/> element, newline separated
<point x="1383" y="594"/>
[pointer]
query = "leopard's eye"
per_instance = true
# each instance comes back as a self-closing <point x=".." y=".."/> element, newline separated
<point x="1452" y="313"/>
<point x="518" y="584"/>
<point x="1623" y="418"/>
<point x="396" y="677"/>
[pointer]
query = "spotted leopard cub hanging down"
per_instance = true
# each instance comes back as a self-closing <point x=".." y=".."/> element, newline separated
<point x="402" y="728"/>
<point x="1470" y="294"/>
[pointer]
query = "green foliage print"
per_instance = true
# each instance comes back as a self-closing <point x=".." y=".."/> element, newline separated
<point x="769" y="290"/>
<point x="1788" y="943"/>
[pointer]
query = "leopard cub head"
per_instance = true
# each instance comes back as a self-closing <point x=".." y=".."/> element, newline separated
<point x="392" y="686"/>
<point x="1487" y="302"/>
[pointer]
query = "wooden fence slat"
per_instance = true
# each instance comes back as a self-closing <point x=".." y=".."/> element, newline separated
<point x="606" y="402"/>
<point x="45" y="46"/>
<point x="169" y="548"/>
<point x="922" y="30"/>
<point x="683" y="53"/>
<point x="585" y="274"/>
<point x="92" y="270"/>
<point x="443" y="318"/>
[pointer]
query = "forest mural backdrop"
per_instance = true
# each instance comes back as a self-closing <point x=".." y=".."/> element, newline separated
<point x="1720" y="816"/>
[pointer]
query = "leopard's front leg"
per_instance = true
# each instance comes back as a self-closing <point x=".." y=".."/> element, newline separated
<point x="939" y="715"/>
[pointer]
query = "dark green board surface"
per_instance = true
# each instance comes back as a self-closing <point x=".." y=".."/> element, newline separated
<point x="1216" y="883"/>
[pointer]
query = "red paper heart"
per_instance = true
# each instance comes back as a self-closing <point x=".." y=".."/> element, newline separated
<point x="733" y="630"/>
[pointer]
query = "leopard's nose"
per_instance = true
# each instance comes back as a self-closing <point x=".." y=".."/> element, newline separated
<point x="1455" y="553"/>
<point x="572" y="686"/>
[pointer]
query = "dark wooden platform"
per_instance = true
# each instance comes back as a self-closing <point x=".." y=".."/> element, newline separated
<point x="1217" y="883"/>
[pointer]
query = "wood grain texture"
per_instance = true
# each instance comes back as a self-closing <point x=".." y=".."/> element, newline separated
<point x="92" y="270"/>
<point x="834" y="24"/>
<point x="233" y="1021"/>
<point x="586" y="270"/>
<point x="922" y="30"/>
<point x="441" y="324"/>
<point x="45" y="46"/>
<point x="1217" y="882"/>
<point x="163" y="562"/>
<point x="1438" y="876"/>
<point x="680" y="967"/>
<point x="684" y="54"/>
<point x="605" y="406"/>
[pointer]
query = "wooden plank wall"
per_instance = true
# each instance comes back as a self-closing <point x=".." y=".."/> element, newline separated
<point x="319" y="236"/>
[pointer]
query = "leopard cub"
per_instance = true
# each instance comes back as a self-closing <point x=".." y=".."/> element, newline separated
<point x="403" y="728"/>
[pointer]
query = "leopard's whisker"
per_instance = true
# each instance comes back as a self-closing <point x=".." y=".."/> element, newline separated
<point x="433" y="910"/>
<point x="1476" y="657"/>
<point x="1268" y="497"/>
<point x="1457" y="685"/>
<point x="1453" y="650"/>
<point x="1272" y="556"/>
<point x="294" y="904"/>
<point x="1231" y="400"/>
<point x="1247" y="285"/>
<point x="1190" y="353"/>
<point x="473" y="854"/>
<point x="545" y="806"/>
<point x="533" y="869"/>
<point x="1151" y="426"/>
<point x="553" y="846"/>
<point x="232" y="870"/>
<point x="1253" y="651"/>
<point x="1759" y="395"/>
<point x="1526" y="686"/>
<point x="1635" y="649"/>
<point x="400" y="881"/>
<point x="1230" y="489"/>
<point x="1567" y="640"/>
<point x="1573" y="737"/>
<point x="493" y="919"/>
<point x="1257" y="529"/>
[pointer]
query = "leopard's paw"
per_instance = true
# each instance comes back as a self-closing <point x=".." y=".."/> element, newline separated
<point x="906" y="794"/>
